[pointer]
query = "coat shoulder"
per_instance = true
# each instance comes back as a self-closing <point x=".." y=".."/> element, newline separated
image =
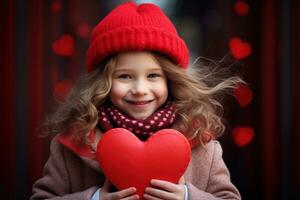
<point x="208" y="151"/>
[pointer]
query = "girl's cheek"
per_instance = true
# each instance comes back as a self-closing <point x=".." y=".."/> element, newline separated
<point x="161" y="88"/>
<point x="118" y="90"/>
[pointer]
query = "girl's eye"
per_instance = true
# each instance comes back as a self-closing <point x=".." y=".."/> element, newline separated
<point x="124" y="76"/>
<point x="154" y="75"/>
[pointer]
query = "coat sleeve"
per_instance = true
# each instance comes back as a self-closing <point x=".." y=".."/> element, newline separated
<point x="55" y="183"/>
<point x="219" y="184"/>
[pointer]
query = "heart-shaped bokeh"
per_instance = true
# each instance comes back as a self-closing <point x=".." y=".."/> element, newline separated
<point x="239" y="49"/>
<point x="127" y="161"/>
<point x="64" y="46"/>
<point x="242" y="135"/>
<point x="243" y="95"/>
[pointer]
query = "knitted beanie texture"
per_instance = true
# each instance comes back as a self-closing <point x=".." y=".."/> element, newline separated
<point x="132" y="27"/>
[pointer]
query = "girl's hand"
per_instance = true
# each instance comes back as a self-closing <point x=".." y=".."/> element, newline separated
<point x="126" y="194"/>
<point x="165" y="190"/>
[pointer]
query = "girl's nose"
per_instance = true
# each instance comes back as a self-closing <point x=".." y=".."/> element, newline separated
<point x="139" y="88"/>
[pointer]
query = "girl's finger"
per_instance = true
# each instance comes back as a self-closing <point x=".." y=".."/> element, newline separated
<point x="123" y="193"/>
<point x="133" y="197"/>
<point x="158" y="193"/>
<point x="149" y="197"/>
<point x="165" y="185"/>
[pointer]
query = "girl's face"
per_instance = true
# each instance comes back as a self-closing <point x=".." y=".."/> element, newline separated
<point x="139" y="85"/>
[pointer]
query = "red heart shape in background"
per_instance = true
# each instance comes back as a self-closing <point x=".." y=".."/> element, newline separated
<point x="239" y="49"/>
<point x="243" y="95"/>
<point x="126" y="161"/>
<point x="64" y="46"/>
<point x="242" y="135"/>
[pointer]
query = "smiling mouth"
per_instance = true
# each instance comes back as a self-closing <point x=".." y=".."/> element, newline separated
<point x="139" y="102"/>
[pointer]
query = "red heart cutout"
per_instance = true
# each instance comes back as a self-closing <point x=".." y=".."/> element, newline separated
<point x="242" y="135"/>
<point x="239" y="49"/>
<point x="126" y="161"/>
<point x="64" y="46"/>
<point x="243" y="95"/>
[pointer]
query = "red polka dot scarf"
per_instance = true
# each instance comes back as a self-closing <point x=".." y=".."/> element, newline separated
<point x="110" y="117"/>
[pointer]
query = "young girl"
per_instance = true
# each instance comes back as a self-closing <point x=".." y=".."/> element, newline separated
<point x="137" y="67"/>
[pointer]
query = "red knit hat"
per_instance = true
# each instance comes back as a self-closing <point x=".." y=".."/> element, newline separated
<point x="131" y="27"/>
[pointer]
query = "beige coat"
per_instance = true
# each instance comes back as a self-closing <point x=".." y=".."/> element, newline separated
<point x="69" y="176"/>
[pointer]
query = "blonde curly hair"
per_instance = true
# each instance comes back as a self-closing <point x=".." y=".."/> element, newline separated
<point x="196" y="93"/>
